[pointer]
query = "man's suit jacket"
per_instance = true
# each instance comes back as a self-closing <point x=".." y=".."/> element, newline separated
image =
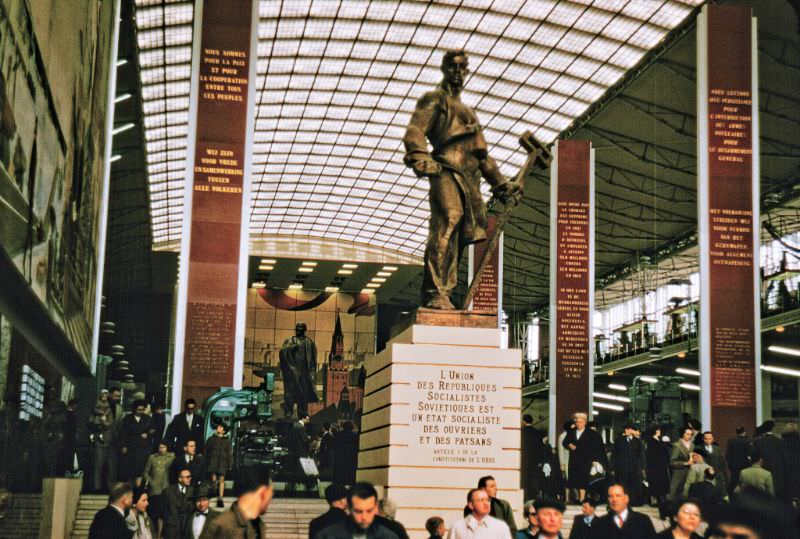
<point x="501" y="509"/>
<point x="177" y="508"/>
<point x="581" y="530"/>
<point x="757" y="478"/>
<point x="636" y="526"/>
<point x="108" y="523"/>
<point x="197" y="467"/>
<point x="231" y="524"/>
<point x="187" y="530"/>
<point x="178" y="432"/>
<point x="328" y="518"/>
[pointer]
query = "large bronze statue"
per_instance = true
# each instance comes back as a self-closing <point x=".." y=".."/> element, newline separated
<point x="298" y="360"/>
<point x="454" y="167"/>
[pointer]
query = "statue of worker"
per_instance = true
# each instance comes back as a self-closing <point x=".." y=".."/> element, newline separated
<point x="454" y="166"/>
<point x="298" y="360"/>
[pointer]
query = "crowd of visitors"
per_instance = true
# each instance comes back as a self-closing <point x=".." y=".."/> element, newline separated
<point x="658" y="471"/>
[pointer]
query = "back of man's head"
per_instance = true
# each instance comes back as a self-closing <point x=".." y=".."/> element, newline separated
<point x="119" y="491"/>
<point x="335" y="493"/>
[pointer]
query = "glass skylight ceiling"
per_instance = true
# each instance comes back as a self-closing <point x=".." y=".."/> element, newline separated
<point x="337" y="82"/>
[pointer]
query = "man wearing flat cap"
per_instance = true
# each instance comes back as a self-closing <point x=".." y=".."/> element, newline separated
<point x="243" y="520"/>
<point x="550" y="515"/>
<point x="203" y="515"/>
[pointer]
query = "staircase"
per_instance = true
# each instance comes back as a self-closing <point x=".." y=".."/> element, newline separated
<point x="21" y="517"/>
<point x="287" y="518"/>
<point x="87" y="507"/>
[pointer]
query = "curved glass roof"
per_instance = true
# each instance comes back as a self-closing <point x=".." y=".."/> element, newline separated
<point x="338" y="80"/>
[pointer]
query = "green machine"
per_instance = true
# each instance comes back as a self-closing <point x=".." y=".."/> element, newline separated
<point x="657" y="400"/>
<point x="247" y="412"/>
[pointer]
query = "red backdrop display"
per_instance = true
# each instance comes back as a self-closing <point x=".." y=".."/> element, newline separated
<point x="730" y="216"/>
<point x="571" y="264"/>
<point x="219" y="163"/>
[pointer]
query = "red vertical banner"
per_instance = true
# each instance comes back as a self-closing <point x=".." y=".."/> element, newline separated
<point x="489" y="291"/>
<point x="571" y="280"/>
<point x="218" y="185"/>
<point x="728" y="198"/>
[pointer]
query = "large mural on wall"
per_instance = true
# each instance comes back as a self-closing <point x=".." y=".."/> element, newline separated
<point x="342" y="325"/>
<point x="51" y="153"/>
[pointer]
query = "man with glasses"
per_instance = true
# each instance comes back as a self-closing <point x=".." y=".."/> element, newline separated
<point x="177" y="504"/>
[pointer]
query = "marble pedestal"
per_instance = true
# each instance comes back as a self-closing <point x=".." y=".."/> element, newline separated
<point x="441" y="409"/>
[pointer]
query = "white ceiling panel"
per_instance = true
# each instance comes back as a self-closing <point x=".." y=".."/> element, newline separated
<point x="337" y="82"/>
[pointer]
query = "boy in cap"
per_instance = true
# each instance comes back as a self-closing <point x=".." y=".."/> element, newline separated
<point x="242" y="521"/>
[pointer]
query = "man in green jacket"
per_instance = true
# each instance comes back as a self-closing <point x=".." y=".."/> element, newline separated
<point x="501" y="509"/>
<point x="756" y="477"/>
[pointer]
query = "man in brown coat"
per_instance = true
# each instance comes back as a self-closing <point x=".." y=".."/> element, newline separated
<point x="243" y="519"/>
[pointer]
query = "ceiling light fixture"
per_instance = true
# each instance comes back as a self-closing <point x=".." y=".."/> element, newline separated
<point x="367" y="291"/>
<point x="305" y="269"/>
<point x="384" y="274"/>
<point x="121" y="62"/>
<point x="268" y="261"/>
<point x="296" y="286"/>
<point x="115" y="157"/>
<point x="780" y="329"/>
<point x="378" y="280"/>
<point x="122" y="97"/>
<point x="349" y="266"/>
<point x="780" y="370"/>
<point x="331" y="289"/>
<point x="308" y="264"/>
<point x="345" y="272"/>
<point x="784" y="350"/>
<point x="618" y="387"/>
<point x="389" y="268"/>
<point x="690" y="387"/>
<point x="122" y="128"/>
<point x="373" y="285"/>
<point x="606" y="406"/>
<point x="687" y="372"/>
<point x="265" y="268"/>
<point x="609" y="396"/>
<point x="259" y="284"/>
<point x="649" y="379"/>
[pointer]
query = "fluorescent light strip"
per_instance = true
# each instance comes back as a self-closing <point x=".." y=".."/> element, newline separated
<point x="784" y="350"/>
<point x="122" y="97"/>
<point x="384" y="274"/>
<point x="367" y="291"/>
<point x="308" y="264"/>
<point x="296" y="286"/>
<point x="373" y="285"/>
<point x="690" y="387"/>
<point x="121" y="62"/>
<point x="389" y="268"/>
<point x="618" y="387"/>
<point x="649" y="379"/>
<point x="611" y="397"/>
<point x="687" y="372"/>
<point x="345" y="272"/>
<point x="305" y="269"/>
<point x="780" y="370"/>
<point x="268" y="261"/>
<point x="265" y="267"/>
<point x="114" y="158"/>
<point x="331" y="289"/>
<point x="349" y="266"/>
<point x="122" y="128"/>
<point x="606" y="406"/>
<point x="378" y="280"/>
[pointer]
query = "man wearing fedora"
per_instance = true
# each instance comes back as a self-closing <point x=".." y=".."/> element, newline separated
<point x="197" y="521"/>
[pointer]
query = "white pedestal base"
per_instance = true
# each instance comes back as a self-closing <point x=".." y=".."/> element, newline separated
<point x="441" y="410"/>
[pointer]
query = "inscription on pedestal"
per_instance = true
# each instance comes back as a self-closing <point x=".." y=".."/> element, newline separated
<point x="455" y="416"/>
